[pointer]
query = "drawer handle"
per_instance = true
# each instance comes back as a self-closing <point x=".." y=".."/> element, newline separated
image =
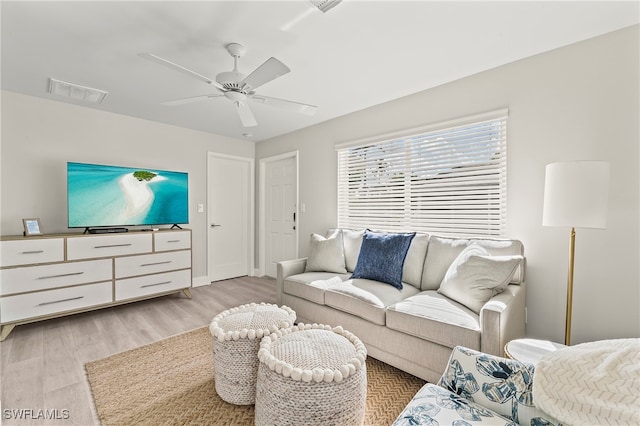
<point x="60" y="301"/>
<point x="153" y="285"/>
<point x="113" y="245"/>
<point x="173" y="241"/>
<point x="33" y="252"/>
<point x="156" y="263"/>
<point x="70" y="274"/>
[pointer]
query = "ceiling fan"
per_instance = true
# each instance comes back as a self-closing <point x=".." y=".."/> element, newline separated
<point x="237" y="87"/>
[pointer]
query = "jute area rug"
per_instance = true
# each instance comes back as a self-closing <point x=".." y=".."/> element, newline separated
<point x="171" y="382"/>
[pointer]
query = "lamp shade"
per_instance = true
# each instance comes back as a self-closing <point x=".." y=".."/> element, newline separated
<point x="576" y="194"/>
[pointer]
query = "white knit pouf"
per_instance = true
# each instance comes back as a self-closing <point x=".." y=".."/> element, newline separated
<point x="311" y="375"/>
<point x="237" y="333"/>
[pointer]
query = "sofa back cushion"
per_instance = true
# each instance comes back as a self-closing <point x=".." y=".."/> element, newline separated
<point x="352" y="243"/>
<point x="414" y="261"/>
<point x="442" y="251"/>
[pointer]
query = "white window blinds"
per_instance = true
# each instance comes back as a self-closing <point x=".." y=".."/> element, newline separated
<point x="446" y="179"/>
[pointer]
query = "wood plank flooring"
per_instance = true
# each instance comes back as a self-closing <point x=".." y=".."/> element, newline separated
<point x="42" y="364"/>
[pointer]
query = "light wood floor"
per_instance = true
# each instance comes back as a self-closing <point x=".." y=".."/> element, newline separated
<point x="42" y="364"/>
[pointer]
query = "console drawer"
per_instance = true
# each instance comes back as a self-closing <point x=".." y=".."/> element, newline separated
<point x="152" y="263"/>
<point x="32" y="305"/>
<point x="172" y="240"/>
<point x="44" y="277"/>
<point x="55" y="275"/>
<point x="25" y="252"/>
<point x="107" y="245"/>
<point x="130" y="288"/>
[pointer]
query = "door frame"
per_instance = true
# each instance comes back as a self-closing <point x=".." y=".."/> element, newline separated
<point x="262" y="205"/>
<point x="251" y="195"/>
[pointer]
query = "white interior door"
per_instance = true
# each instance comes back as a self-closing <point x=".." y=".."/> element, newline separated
<point x="280" y="212"/>
<point x="230" y="216"/>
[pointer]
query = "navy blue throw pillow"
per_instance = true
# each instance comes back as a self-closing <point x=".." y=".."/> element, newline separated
<point x="382" y="256"/>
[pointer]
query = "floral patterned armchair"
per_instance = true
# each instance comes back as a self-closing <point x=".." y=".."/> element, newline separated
<point x="477" y="388"/>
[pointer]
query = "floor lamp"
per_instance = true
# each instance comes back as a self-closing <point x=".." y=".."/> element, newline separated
<point x="576" y="196"/>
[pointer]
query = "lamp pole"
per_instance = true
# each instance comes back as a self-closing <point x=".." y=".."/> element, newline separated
<point x="567" y="328"/>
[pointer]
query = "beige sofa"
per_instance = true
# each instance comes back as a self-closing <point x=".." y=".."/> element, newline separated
<point x="416" y="327"/>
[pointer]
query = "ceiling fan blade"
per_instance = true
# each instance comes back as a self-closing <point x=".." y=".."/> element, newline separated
<point x="246" y="116"/>
<point x="269" y="70"/>
<point x="159" y="60"/>
<point x="190" y="100"/>
<point x="288" y="105"/>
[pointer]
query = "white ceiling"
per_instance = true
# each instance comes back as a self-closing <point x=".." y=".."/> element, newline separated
<point x="358" y="54"/>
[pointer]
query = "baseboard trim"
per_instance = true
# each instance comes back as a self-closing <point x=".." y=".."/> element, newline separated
<point x="200" y="281"/>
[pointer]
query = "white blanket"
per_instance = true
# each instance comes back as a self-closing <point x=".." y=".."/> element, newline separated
<point x="595" y="383"/>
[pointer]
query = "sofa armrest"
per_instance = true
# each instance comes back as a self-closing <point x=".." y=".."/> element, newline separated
<point x="285" y="269"/>
<point x="502" y="319"/>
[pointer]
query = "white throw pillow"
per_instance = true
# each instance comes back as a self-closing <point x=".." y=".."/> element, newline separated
<point x="326" y="254"/>
<point x="475" y="276"/>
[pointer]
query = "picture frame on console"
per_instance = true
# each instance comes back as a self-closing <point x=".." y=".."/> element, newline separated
<point x="32" y="227"/>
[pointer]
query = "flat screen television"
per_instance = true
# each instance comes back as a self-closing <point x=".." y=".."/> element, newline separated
<point x="115" y="196"/>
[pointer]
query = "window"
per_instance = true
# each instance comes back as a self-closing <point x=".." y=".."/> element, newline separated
<point x="445" y="179"/>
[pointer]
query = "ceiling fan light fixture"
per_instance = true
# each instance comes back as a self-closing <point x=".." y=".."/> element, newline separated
<point x="76" y="91"/>
<point x="231" y="80"/>
<point x="235" y="96"/>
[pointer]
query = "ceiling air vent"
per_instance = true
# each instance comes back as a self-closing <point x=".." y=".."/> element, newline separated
<point x="325" y="5"/>
<point x="76" y="92"/>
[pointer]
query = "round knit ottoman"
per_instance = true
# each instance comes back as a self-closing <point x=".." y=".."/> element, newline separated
<point x="311" y="375"/>
<point x="237" y="333"/>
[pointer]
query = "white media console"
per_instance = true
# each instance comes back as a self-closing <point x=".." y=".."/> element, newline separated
<point x="55" y="275"/>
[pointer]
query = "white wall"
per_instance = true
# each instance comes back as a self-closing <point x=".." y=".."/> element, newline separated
<point x="575" y="103"/>
<point x="39" y="136"/>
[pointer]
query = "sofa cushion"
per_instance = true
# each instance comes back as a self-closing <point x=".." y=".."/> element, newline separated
<point x="311" y="285"/>
<point x="414" y="261"/>
<point x="382" y="257"/>
<point x="352" y="242"/>
<point x="326" y="254"/>
<point x="442" y="252"/>
<point x="365" y="298"/>
<point x="432" y="316"/>
<point x="474" y="277"/>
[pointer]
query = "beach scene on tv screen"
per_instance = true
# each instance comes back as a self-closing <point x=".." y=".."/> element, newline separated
<point x="100" y="195"/>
